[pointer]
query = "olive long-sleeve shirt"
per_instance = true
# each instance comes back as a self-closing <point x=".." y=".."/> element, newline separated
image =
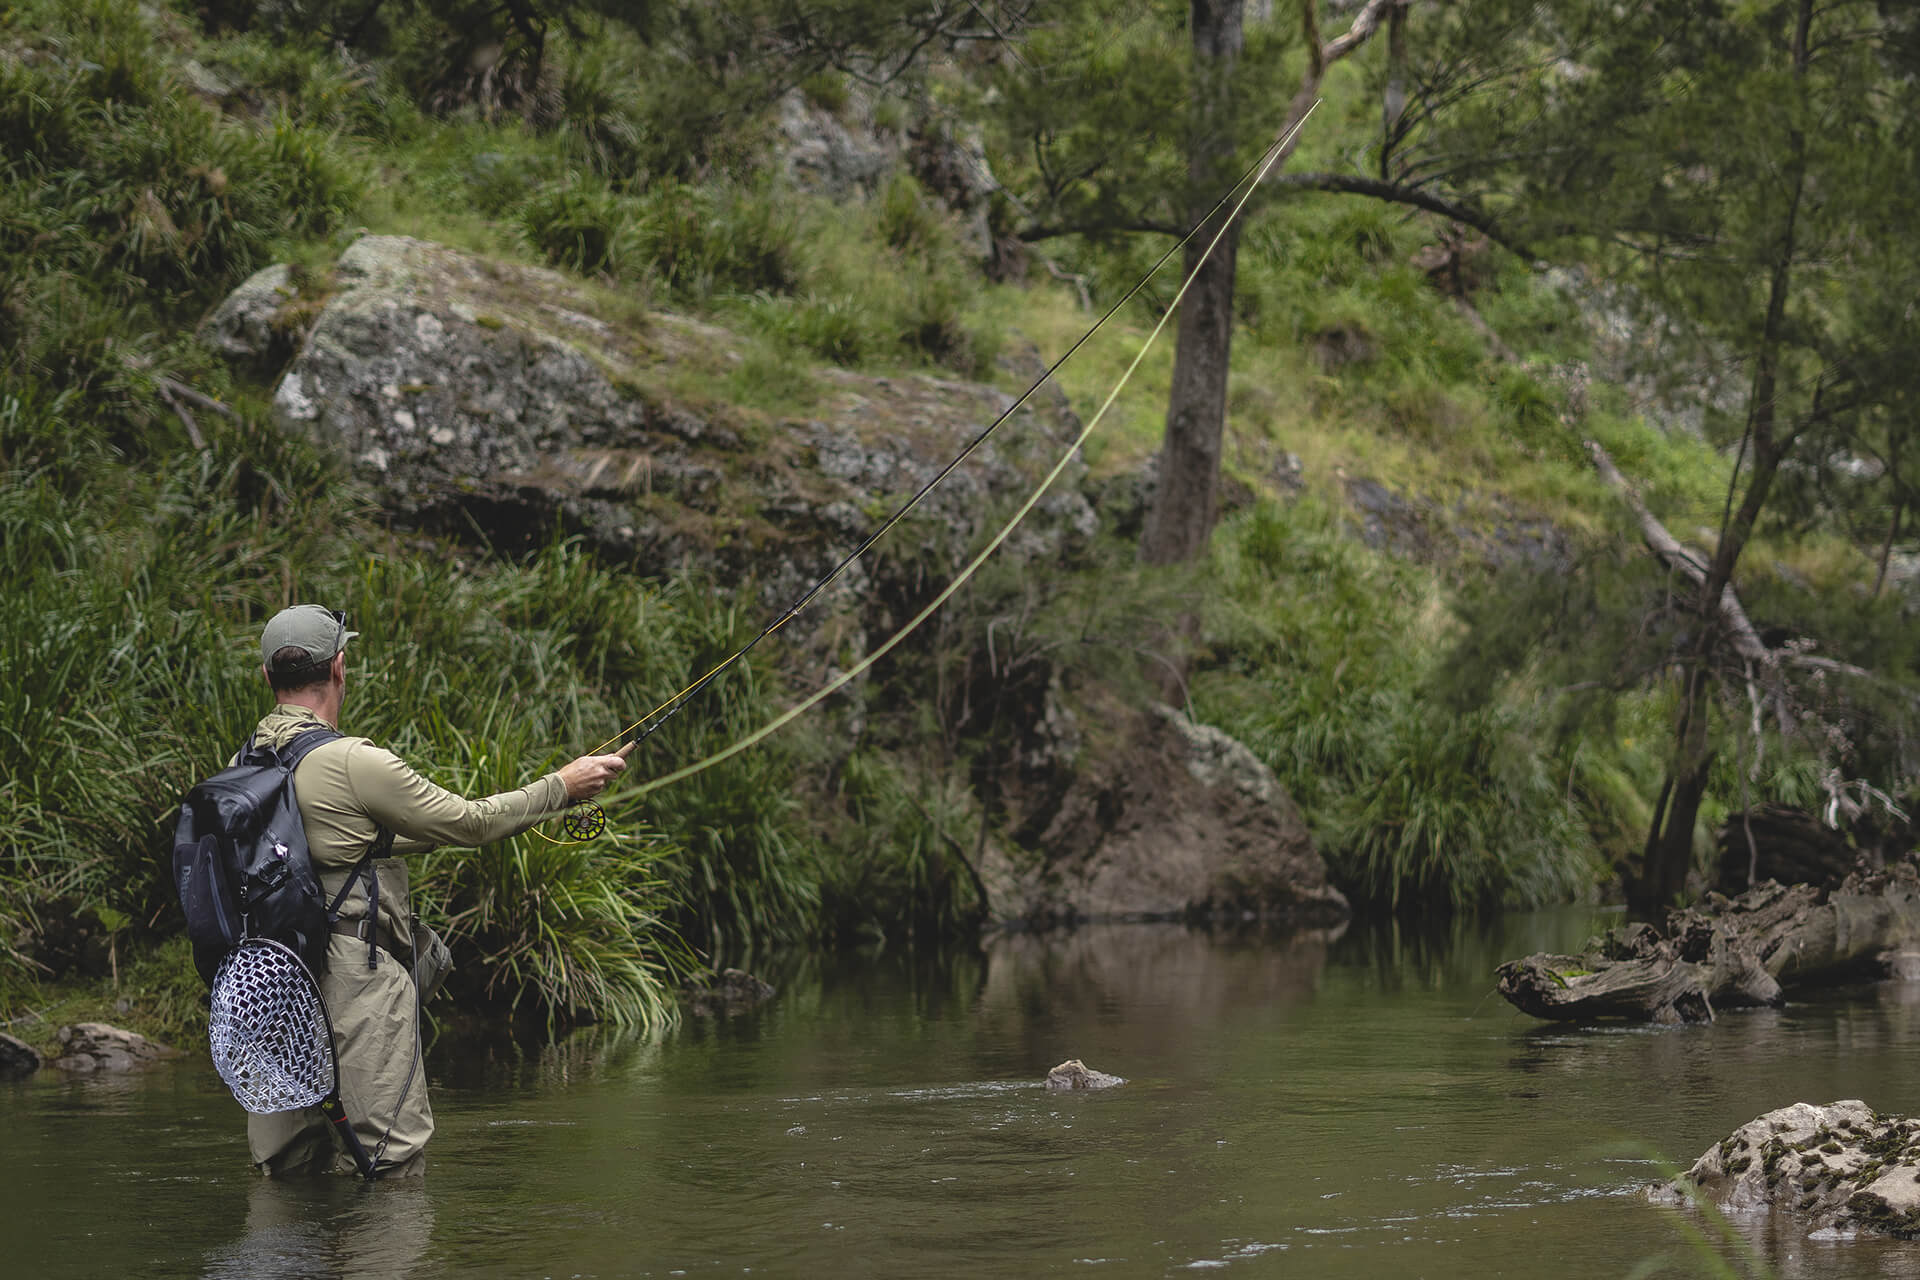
<point x="349" y="788"/>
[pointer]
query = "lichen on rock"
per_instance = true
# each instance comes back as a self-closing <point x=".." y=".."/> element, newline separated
<point x="87" y="1047"/>
<point x="1839" y="1169"/>
<point x="1075" y="1074"/>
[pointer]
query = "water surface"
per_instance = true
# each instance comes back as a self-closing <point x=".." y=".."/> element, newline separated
<point x="1357" y="1105"/>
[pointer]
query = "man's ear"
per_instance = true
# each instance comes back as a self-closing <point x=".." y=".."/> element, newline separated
<point x="339" y="671"/>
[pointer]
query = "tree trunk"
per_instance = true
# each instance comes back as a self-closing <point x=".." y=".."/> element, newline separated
<point x="1181" y="518"/>
<point x="1670" y="842"/>
<point x="1669" y="854"/>
<point x="1183" y="506"/>
<point x="1893" y="527"/>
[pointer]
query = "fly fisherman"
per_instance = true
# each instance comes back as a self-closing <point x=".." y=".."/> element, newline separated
<point x="351" y="795"/>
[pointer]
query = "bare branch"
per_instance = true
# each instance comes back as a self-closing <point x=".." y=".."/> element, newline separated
<point x="1364" y="25"/>
<point x="1684" y="560"/>
<point x="186" y="417"/>
<point x="1397" y="193"/>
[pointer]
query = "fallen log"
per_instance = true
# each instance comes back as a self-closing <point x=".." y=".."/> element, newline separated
<point x="1728" y="952"/>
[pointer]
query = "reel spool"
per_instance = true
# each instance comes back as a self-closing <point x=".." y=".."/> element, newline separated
<point x="584" y="820"/>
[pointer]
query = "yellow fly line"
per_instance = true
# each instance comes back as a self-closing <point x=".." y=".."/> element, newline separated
<point x="1259" y="172"/>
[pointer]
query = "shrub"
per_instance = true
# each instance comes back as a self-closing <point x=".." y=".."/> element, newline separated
<point x="1412" y="800"/>
<point x="907" y="221"/>
<point x="602" y="114"/>
<point x="698" y="243"/>
<point x="900" y="873"/>
<point x="580" y="226"/>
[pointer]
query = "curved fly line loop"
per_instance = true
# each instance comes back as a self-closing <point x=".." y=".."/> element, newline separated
<point x="1246" y="184"/>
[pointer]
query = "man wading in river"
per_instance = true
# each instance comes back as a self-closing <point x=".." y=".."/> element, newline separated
<point x="350" y="792"/>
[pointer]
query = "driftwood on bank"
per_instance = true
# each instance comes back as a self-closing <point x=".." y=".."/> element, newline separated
<point x="1728" y="952"/>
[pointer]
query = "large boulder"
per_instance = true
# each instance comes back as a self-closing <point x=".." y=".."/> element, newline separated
<point x="1836" y="1169"/>
<point x="1164" y="819"/>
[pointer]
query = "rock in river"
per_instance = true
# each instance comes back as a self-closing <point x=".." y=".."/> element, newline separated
<point x="17" y="1058"/>
<point x="1075" y="1074"/>
<point x="1841" y="1169"/>
<point x="723" y="994"/>
<point x="95" y="1046"/>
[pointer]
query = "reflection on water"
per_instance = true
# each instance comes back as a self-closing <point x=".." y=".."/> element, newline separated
<point x="1337" y="1103"/>
<point x="324" y="1227"/>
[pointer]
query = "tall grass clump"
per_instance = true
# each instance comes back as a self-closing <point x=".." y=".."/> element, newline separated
<point x="580" y="226"/>
<point x="576" y="930"/>
<point x="882" y="281"/>
<point x="747" y="873"/>
<point x="897" y="869"/>
<point x="1334" y="653"/>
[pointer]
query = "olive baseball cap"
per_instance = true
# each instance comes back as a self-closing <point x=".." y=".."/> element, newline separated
<point x="320" y="632"/>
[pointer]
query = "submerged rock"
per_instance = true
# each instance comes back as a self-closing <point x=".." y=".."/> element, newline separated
<point x="1075" y="1074"/>
<point x="17" y="1058"/>
<point x="95" y="1046"/>
<point x="1838" y="1169"/>
<point x="724" y="994"/>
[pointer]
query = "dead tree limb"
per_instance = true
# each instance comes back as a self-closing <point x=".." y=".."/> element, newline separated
<point x="184" y="414"/>
<point x="1726" y="953"/>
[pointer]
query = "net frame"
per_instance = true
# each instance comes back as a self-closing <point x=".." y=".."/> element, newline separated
<point x="268" y="1030"/>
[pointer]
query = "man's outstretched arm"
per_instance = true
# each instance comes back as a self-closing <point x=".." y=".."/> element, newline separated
<point x="422" y="815"/>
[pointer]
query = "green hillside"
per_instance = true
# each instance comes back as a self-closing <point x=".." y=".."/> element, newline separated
<point x="1422" y="606"/>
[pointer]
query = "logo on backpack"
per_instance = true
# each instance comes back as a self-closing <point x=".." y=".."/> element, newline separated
<point x="240" y="861"/>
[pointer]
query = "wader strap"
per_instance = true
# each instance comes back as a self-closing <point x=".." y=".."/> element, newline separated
<point x="382" y="847"/>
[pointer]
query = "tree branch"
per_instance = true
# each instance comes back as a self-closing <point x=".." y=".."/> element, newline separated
<point x="1033" y="235"/>
<point x="1399" y="193"/>
<point x="1687" y="562"/>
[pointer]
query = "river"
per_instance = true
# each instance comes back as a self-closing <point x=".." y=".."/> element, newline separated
<point x="1357" y="1105"/>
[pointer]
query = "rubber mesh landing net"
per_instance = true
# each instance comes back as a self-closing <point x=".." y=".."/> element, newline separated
<point x="268" y="1029"/>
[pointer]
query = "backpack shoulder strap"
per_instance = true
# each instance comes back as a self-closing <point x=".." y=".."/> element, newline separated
<point x="296" y="749"/>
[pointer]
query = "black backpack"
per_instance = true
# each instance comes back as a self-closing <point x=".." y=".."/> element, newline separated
<point x="240" y="861"/>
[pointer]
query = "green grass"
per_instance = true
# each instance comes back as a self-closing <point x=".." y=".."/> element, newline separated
<point x="1412" y="802"/>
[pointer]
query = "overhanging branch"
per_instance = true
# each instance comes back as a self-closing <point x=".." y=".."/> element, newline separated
<point x="1399" y="193"/>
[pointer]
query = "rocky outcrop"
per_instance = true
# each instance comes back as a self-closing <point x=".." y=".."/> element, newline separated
<point x="477" y="395"/>
<point x="845" y="150"/>
<point x="822" y="152"/>
<point x="1837" y="1170"/>
<point x="1175" y="820"/>
<point x="87" y="1047"/>
<point x="1075" y="1074"/>
<point x="17" y="1057"/>
<point x="1663" y="369"/>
